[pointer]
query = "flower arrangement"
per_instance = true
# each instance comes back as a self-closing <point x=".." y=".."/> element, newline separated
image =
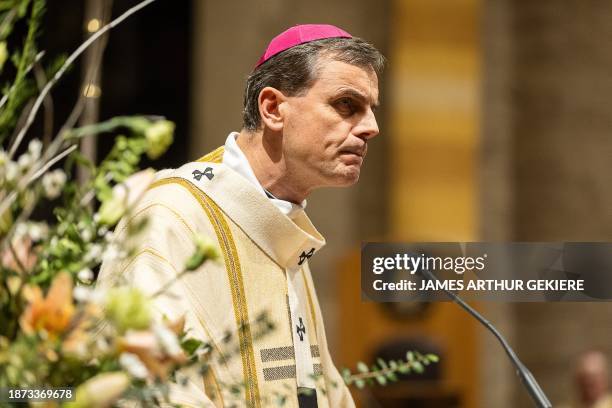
<point x="55" y="329"/>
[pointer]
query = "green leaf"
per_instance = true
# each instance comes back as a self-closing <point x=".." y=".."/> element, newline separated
<point x="410" y="356"/>
<point x="359" y="383"/>
<point x="418" y="367"/>
<point x="191" y="345"/>
<point x="391" y="376"/>
<point x="404" y="369"/>
<point x="362" y="367"/>
<point x="381" y="379"/>
<point x="346" y="375"/>
<point x="382" y="363"/>
<point x="432" y="357"/>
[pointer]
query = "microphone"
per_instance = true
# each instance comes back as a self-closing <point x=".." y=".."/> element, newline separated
<point x="535" y="391"/>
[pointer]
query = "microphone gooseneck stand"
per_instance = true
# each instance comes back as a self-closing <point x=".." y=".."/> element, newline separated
<point x="535" y="391"/>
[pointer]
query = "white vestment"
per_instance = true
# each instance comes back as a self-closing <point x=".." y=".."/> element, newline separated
<point x="264" y="270"/>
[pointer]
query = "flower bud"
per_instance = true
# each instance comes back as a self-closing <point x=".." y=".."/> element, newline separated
<point x="100" y="391"/>
<point x="125" y="195"/>
<point x="128" y="308"/>
<point x="206" y="249"/>
<point x="159" y="136"/>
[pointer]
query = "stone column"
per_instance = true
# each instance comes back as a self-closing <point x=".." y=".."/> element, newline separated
<point x="497" y="189"/>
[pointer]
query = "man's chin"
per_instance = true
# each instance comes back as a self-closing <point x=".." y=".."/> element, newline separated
<point x="349" y="176"/>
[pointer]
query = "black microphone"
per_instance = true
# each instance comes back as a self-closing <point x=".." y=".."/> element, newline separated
<point x="535" y="391"/>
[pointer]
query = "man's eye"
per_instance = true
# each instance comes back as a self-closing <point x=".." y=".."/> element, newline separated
<point x="345" y="105"/>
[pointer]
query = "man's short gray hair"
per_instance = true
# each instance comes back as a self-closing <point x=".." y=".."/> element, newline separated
<point x="293" y="71"/>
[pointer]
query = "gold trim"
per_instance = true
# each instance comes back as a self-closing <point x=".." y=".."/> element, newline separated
<point x="234" y="272"/>
<point x="149" y="251"/>
<point x="139" y="212"/>
<point x="213" y="157"/>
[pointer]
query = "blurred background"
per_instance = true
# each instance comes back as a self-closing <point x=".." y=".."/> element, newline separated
<point x="496" y="124"/>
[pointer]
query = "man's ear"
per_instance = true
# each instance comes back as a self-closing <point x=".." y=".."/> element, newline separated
<point x="269" y="102"/>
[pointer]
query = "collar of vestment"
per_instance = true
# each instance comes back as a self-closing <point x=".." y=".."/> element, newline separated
<point x="289" y="242"/>
<point x="235" y="159"/>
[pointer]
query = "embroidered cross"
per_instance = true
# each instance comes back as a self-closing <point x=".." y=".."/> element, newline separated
<point x="301" y="329"/>
<point x="197" y="174"/>
<point x="304" y="256"/>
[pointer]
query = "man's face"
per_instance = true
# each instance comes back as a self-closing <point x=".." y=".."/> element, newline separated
<point x="326" y="130"/>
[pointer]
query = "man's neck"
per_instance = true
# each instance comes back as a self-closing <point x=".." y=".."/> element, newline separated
<point x="265" y="155"/>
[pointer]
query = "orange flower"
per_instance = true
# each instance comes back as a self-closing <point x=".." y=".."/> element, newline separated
<point x="52" y="313"/>
<point x="152" y="349"/>
<point x="78" y="340"/>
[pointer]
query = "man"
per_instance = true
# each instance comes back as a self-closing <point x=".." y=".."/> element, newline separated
<point x="308" y="116"/>
<point x="591" y="379"/>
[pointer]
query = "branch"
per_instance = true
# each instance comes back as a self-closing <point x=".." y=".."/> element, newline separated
<point x="51" y="162"/>
<point x="41" y="79"/>
<point x="37" y="58"/>
<point x="384" y="371"/>
<point x="65" y="66"/>
<point x="58" y="141"/>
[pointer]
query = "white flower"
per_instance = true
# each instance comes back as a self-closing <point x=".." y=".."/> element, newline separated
<point x="38" y="230"/>
<point x="25" y="162"/>
<point x="35" y="148"/>
<point x="133" y="365"/>
<point x="168" y="340"/>
<point x="109" y="236"/>
<point x="21" y="231"/>
<point x="85" y="275"/>
<point x="81" y="293"/>
<point x="111" y="253"/>
<point x="93" y="254"/>
<point x="53" y="182"/>
<point x="12" y="170"/>
<point x="125" y="195"/>
<point x="86" y="235"/>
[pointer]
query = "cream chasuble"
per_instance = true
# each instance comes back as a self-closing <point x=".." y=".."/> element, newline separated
<point x="264" y="270"/>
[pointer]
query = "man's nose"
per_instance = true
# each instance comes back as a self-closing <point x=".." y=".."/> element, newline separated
<point x="367" y="128"/>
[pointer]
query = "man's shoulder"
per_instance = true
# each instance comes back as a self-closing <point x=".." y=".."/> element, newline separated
<point x="216" y="156"/>
<point x="179" y="190"/>
<point x="167" y="191"/>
